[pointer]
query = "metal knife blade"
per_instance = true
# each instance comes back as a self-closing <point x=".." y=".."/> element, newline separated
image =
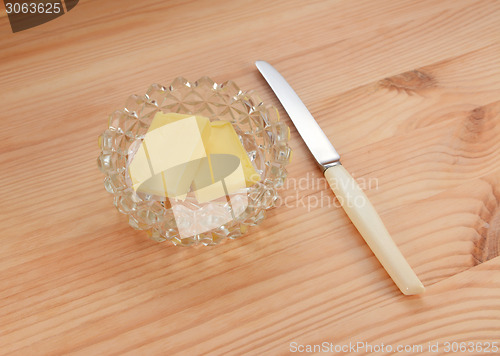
<point x="314" y="137"/>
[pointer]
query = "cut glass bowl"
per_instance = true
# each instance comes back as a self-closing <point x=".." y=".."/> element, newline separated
<point x="262" y="134"/>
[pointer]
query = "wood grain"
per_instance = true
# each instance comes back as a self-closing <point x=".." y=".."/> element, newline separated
<point x="408" y="91"/>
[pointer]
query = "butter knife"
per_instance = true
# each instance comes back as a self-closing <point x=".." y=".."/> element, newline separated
<point x="363" y="215"/>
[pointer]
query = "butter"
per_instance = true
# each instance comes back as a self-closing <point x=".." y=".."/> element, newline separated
<point x="167" y="160"/>
<point x="162" y="119"/>
<point x="184" y="151"/>
<point x="224" y="140"/>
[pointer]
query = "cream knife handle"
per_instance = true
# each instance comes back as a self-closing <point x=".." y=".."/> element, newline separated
<point x="366" y="219"/>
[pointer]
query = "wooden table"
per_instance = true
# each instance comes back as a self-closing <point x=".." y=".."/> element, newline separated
<point x="409" y="93"/>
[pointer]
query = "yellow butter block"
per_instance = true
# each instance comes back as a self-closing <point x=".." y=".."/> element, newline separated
<point x="183" y="151"/>
<point x="169" y="156"/>
<point x="224" y="140"/>
<point x="162" y="119"/>
<point x="228" y="168"/>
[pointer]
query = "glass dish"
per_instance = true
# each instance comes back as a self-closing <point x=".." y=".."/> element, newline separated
<point x="262" y="134"/>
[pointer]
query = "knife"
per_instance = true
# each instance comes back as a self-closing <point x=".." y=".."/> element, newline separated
<point x="354" y="201"/>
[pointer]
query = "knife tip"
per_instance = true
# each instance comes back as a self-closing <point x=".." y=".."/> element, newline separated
<point x="259" y="64"/>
